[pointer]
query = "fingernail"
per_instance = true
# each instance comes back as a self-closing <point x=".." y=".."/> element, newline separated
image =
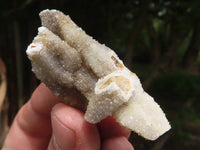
<point x="63" y="137"/>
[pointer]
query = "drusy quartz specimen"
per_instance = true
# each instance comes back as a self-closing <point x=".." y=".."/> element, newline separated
<point x="90" y="76"/>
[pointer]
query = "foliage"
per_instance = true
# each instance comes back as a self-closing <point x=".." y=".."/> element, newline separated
<point x="178" y="86"/>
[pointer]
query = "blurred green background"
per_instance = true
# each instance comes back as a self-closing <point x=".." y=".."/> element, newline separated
<point x="159" y="40"/>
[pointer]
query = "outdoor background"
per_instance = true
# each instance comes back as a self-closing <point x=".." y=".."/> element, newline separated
<point x="159" y="40"/>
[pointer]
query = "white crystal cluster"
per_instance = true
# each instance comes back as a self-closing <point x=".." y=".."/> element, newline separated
<point x="91" y="77"/>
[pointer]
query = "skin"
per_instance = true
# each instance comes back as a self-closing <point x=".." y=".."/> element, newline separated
<point x="44" y="122"/>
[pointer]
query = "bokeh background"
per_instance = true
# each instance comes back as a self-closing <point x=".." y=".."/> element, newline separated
<point x="159" y="40"/>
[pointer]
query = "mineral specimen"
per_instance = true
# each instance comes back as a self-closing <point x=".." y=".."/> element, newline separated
<point x="91" y="77"/>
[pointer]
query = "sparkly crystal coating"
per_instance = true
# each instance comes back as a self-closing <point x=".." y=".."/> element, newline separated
<point x="90" y="76"/>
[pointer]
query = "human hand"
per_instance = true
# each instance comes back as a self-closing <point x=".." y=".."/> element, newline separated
<point x="44" y="122"/>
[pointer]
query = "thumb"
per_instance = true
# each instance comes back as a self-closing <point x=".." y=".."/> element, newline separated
<point x="63" y="138"/>
<point x="70" y="131"/>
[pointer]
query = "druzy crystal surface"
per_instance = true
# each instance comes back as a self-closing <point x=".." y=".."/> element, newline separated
<point x="90" y="76"/>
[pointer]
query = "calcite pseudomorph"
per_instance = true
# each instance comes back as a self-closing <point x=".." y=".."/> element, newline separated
<point x="90" y="76"/>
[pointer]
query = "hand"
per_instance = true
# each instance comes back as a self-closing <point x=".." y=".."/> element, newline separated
<point x="44" y="122"/>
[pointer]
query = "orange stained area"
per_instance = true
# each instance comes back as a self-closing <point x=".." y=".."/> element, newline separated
<point x="121" y="81"/>
<point x="133" y="74"/>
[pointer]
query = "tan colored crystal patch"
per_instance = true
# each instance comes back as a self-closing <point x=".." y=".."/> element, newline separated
<point x="117" y="63"/>
<point x="120" y="81"/>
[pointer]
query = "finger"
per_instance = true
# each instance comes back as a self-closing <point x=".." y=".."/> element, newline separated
<point x="31" y="128"/>
<point x="110" y="128"/>
<point x="117" y="143"/>
<point x="71" y="131"/>
<point x="63" y="137"/>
